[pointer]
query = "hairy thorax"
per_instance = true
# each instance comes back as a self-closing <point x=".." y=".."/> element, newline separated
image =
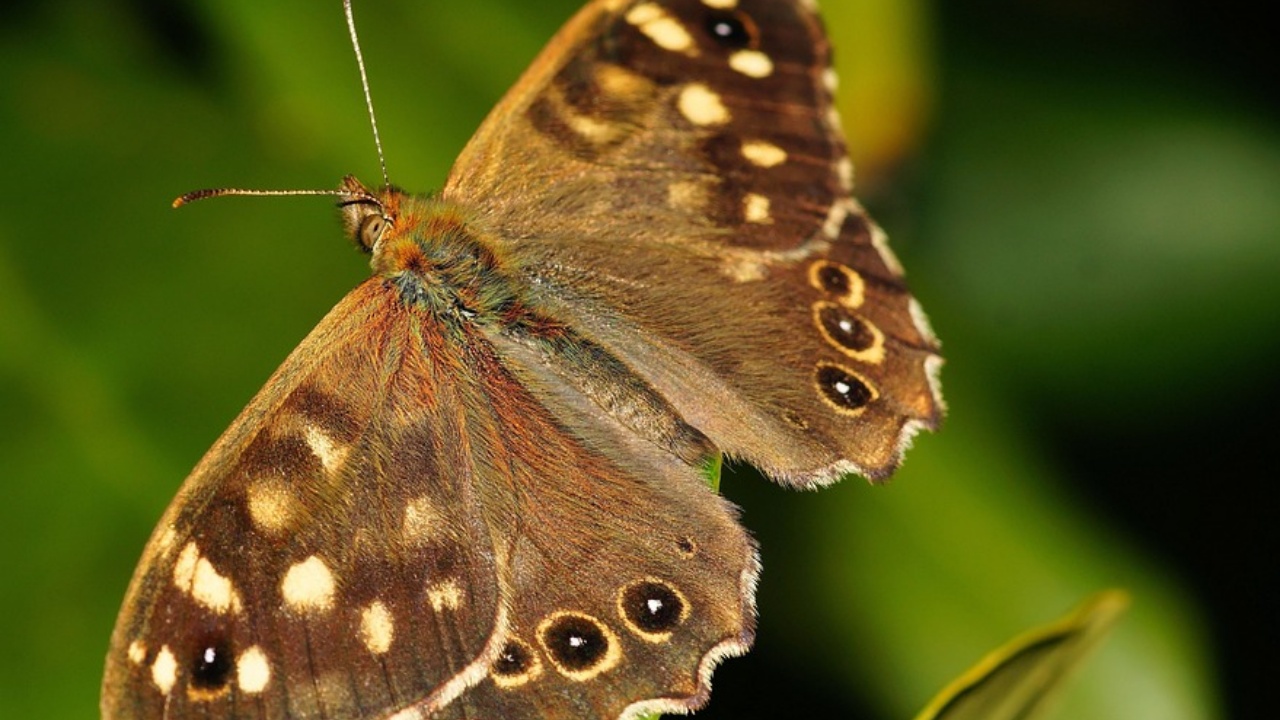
<point x="441" y="261"/>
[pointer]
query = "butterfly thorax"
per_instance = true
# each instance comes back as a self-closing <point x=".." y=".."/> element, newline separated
<point x="437" y="257"/>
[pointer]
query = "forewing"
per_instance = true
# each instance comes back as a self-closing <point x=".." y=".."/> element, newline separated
<point x="683" y="198"/>
<point x="309" y="566"/>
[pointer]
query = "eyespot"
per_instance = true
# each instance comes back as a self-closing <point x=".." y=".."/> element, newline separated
<point x="831" y="279"/>
<point x="840" y="282"/>
<point x="211" y="668"/>
<point x="211" y="665"/>
<point x="843" y="389"/>
<point x="579" y="646"/>
<point x="731" y="29"/>
<point x="844" y="329"/>
<point x="517" y="664"/>
<point x="852" y="335"/>
<point x="514" y="660"/>
<point x="652" y="608"/>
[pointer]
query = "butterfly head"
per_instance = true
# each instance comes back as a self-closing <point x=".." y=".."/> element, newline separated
<point x="367" y="215"/>
<point x="429" y="249"/>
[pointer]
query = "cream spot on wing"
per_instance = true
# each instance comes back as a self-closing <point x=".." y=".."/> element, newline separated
<point x="836" y="217"/>
<point x="196" y="575"/>
<point x="445" y="595"/>
<point x="687" y="195"/>
<point x="137" y="652"/>
<point x="184" y="570"/>
<point x="763" y="154"/>
<point x="702" y="106"/>
<point x="164" y="671"/>
<point x="618" y="82"/>
<point x="834" y="119"/>
<point x="377" y="629"/>
<point x="591" y="129"/>
<point x="721" y="4"/>
<point x="831" y="80"/>
<point x="330" y="454"/>
<point x="308" y="585"/>
<point x="756" y="208"/>
<point x="253" y="672"/>
<point x="420" y="521"/>
<point x="664" y="30"/>
<point x="213" y="590"/>
<point x="844" y="171"/>
<point x="751" y="63"/>
<point x="271" y="506"/>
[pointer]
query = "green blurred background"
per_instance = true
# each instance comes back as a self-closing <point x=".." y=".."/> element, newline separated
<point x="1086" y="195"/>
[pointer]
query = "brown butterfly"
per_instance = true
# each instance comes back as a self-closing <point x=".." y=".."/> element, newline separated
<point x="476" y="490"/>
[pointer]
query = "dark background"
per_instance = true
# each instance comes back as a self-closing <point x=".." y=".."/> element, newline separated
<point x="1084" y="194"/>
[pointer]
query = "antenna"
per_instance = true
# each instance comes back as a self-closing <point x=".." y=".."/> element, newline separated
<point x="356" y="195"/>
<point x="368" y="97"/>
<point x="195" y="195"/>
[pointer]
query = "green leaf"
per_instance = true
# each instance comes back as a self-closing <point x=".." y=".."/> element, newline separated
<point x="1020" y="679"/>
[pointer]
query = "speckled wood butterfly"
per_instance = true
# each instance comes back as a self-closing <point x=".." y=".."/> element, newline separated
<point x="476" y="489"/>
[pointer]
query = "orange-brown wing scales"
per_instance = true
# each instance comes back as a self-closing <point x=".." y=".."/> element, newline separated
<point x="408" y="519"/>
<point x="630" y="577"/>
<point x="324" y="562"/>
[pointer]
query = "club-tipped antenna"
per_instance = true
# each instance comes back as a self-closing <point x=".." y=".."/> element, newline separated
<point x="354" y="192"/>
<point x="352" y="196"/>
<point x="368" y="96"/>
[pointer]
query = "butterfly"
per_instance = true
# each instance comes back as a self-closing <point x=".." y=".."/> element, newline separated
<point x="476" y="489"/>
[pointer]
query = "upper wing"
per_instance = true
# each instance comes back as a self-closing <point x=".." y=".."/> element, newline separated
<point x="395" y="524"/>
<point x="673" y="178"/>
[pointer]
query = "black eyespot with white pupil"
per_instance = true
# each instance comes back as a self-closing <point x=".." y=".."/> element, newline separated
<point x="653" y="607"/>
<point x="844" y="389"/>
<point x="577" y="643"/>
<point x="731" y="30"/>
<point x="515" y="660"/>
<point x="846" y="329"/>
<point x="834" y="280"/>
<point x="211" y="667"/>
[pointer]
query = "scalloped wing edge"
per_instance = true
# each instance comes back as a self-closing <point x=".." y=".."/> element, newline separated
<point x="732" y="647"/>
<point x="837" y="471"/>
